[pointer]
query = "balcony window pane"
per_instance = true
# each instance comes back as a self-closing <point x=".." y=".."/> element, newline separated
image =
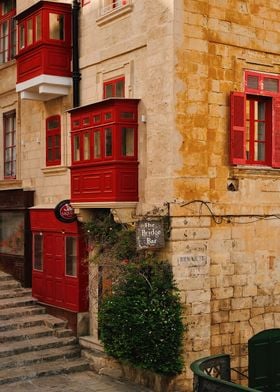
<point x="76" y="148"/>
<point x="38" y="29"/>
<point x="21" y="36"/>
<point x="128" y="142"/>
<point x="108" y="142"/>
<point x="56" y="23"/>
<point x="97" y="145"/>
<point x="86" y="146"/>
<point x="29" y="32"/>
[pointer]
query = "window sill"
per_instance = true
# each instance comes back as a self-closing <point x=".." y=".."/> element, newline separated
<point x="254" y="171"/>
<point x="10" y="184"/>
<point x="113" y="14"/>
<point x="54" y="170"/>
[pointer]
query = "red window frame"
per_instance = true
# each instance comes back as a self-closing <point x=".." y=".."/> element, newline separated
<point x="85" y="2"/>
<point x="113" y="83"/>
<point x="9" y="126"/>
<point x="7" y="32"/>
<point x="261" y="89"/>
<point x="23" y="42"/>
<point x="53" y="141"/>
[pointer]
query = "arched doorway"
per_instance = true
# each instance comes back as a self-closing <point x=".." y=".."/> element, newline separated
<point x="264" y="361"/>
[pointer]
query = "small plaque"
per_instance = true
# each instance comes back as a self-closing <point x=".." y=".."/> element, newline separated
<point x="150" y="234"/>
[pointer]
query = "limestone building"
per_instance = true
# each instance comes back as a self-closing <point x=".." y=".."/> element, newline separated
<point x="134" y="105"/>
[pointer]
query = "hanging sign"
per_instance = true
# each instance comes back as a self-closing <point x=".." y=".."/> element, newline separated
<point x="150" y="234"/>
<point x="64" y="212"/>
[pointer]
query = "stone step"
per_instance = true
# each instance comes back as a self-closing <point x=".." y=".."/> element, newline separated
<point x="16" y="302"/>
<point x="9" y="285"/>
<point x="46" y="355"/>
<point x="13" y="293"/>
<point x="10" y="313"/>
<point x="4" y="276"/>
<point x="42" y="369"/>
<point x="33" y="320"/>
<point x="26" y="333"/>
<point x="47" y="342"/>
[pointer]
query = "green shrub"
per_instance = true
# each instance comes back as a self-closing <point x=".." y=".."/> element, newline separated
<point x="141" y="320"/>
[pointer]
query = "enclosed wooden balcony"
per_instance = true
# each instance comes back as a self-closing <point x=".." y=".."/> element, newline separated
<point x="104" y="151"/>
<point x="44" y="51"/>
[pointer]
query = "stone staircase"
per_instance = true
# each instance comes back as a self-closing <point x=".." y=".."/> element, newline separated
<point x="32" y="343"/>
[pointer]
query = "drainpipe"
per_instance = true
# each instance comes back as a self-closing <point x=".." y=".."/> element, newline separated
<point x="76" y="76"/>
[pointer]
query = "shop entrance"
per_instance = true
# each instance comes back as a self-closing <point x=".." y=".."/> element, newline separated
<point x="59" y="273"/>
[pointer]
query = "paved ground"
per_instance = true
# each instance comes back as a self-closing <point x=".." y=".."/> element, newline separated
<point x="76" y="382"/>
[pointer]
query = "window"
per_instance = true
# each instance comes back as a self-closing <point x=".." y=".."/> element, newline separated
<point x="9" y="145"/>
<point x="71" y="249"/>
<point x="30" y="31"/>
<point x="7" y="30"/>
<point x="53" y="141"/>
<point x="111" y="5"/>
<point x="38" y="252"/>
<point x="255" y="121"/>
<point x="113" y="88"/>
<point x="56" y="23"/>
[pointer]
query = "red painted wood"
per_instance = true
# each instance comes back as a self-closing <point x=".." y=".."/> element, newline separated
<point x="45" y="56"/>
<point x="111" y="177"/>
<point x="51" y="285"/>
<point x="237" y="128"/>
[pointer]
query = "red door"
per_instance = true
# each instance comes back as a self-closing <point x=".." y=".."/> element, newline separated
<point x="59" y="275"/>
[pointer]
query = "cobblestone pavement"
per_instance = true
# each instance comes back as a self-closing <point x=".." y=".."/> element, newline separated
<point x="75" y="382"/>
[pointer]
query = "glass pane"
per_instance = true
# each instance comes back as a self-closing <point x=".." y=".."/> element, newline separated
<point x="86" y="146"/>
<point x="76" y="148"/>
<point x="86" y="121"/>
<point x="259" y="111"/>
<point x="128" y="142"/>
<point x="271" y="84"/>
<point x="97" y="145"/>
<point x="38" y="252"/>
<point x="53" y="123"/>
<point x="127" y="115"/>
<point x="96" y="118"/>
<point x="38" y="29"/>
<point x="13" y="39"/>
<point x="56" y="23"/>
<point x="12" y="233"/>
<point x="253" y="82"/>
<point x="8" y="5"/>
<point x="108" y="142"/>
<point x="260" y="131"/>
<point x="108" y="93"/>
<point x="108" y="116"/>
<point x="21" y="36"/>
<point x="259" y="151"/>
<point x="71" y="256"/>
<point x="29" y="32"/>
<point x="120" y="88"/>
<point x="57" y="140"/>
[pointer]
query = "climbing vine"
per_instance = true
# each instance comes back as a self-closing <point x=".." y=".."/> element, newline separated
<point x="140" y="316"/>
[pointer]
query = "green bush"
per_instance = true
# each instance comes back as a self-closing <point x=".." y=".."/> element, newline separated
<point x="141" y="320"/>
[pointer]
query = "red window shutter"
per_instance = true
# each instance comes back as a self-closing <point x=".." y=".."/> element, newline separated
<point x="237" y="128"/>
<point x="276" y="132"/>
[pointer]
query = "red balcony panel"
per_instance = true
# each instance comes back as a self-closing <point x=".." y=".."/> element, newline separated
<point x="30" y="66"/>
<point x="57" y="62"/>
<point x="114" y="182"/>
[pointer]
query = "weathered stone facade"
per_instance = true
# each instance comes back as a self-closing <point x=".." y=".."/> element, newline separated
<point x="181" y="59"/>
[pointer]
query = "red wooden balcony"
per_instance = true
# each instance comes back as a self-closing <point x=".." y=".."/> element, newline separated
<point x="104" y="151"/>
<point x="44" y="51"/>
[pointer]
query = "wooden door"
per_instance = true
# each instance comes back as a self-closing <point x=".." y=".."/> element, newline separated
<point x="264" y="361"/>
